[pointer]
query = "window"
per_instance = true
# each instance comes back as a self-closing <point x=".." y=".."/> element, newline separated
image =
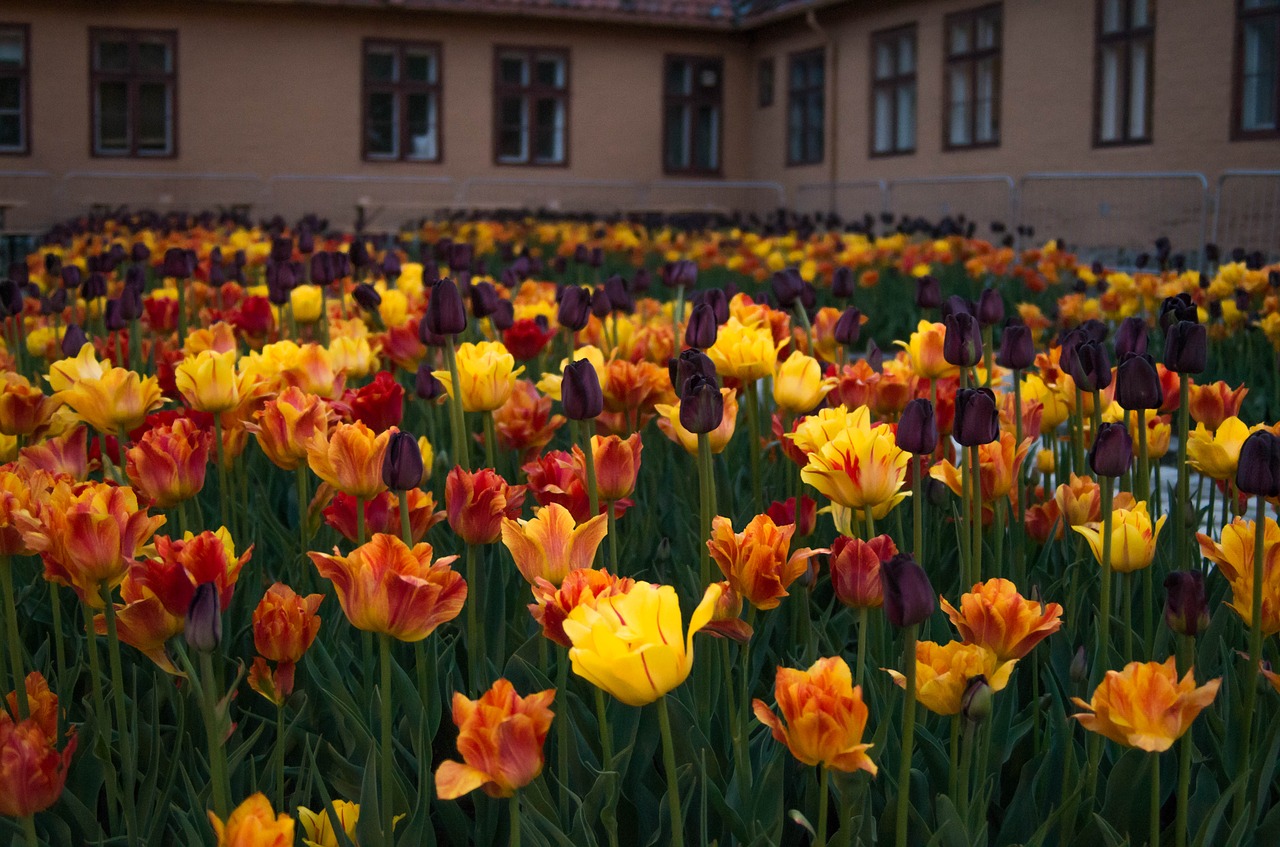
<point x="134" y="77"/>
<point x="1257" y="93"/>
<point x="1122" y="107"/>
<point x="531" y="106"/>
<point x="972" y="98"/>
<point x="893" y="91"/>
<point x="806" y="102"/>
<point x="15" y="74"/>
<point x="691" y="102"/>
<point x="764" y="82"/>
<point x="401" y="101"/>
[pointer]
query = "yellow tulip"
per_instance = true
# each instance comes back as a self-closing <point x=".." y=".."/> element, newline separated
<point x="1216" y="453"/>
<point x="859" y="469"/>
<point x="924" y="349"/>
<point x="744" y="352"/>
<point x="798" y="384"/>
<point x="633" y="645"/>
<point x="306" y="300"/>
<point x="1133" y="538"/>
<point x="817" y="429"/>
<point x="487" y="373"/>
<point x="669" y="423"/>
<point x="1056" y="410"/>
<point x="117" y="399"/>
<point x="208" y="381"/>
<point x="943" y="672"/>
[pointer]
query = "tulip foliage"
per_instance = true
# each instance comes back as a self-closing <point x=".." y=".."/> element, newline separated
<point x="552" y="532"/>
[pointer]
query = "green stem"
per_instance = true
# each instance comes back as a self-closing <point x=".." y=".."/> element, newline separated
<point x="59" y="644"/>
<point x="490" y="445"/>
<point x="606" y="737"/>
<point x="1127" y="591"/>
<point x="514" y="804"/>
<point x="975" y="465"/>
<point x="862" y="645"/>
<point x="457" y="420"/>
<point x="182" y="310"/>
<point x="824" y="789"/>
<point x="1154" y="828"/>
<point x="406" y="533"/>
<point x="908" y="735"/>
<point x="222" y="470"/>
<point x="613" y="536"/>
<point x="953" y="764"/>
<point x="300" y="479"/>
<point x="13" y="637"/>
<point x="101" y="717"/>
<point x="1104" y="595"/>
<point x="673" y="785"/>
<point x="1255" y="651"/>
<point x="705" y="484"/>
<point x="1143" y="485"/>
<point x="218" y="780"/>
<point x="1186" y="658"/>
<point x="751" y="397"/>
<point x="917" y="510"/>
<point x="29" y="830"/>
<point x="384" y="700"/>
<point x="127" y="750"/>
<point x="966" y="768"/>
<point x="563" y="733"/>
<point x="474" y="635"/>
<point x="593" y="491"/>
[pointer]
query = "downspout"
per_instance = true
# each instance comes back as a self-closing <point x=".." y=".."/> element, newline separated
<point x="833" y="65"/>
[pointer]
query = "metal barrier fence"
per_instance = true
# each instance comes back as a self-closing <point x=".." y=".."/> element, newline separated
<point x="984" y="198"/>
<point x="1247" y="211"/>
<point x="849" y="200"/>
<point x="601" y="196"/>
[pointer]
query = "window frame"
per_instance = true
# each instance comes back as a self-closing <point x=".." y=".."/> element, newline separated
<point x="1126" y="37"/>
<point x="532" y="90"/>
<point x="1238" y="132"/>
<point x="819" y="53"/>
<point x="400" y="89"/>
<point x="132" y="78"/>
<point x="969" y="61"/>
<point x="23" y="73"/>
<point x="693" y="100"/>
<point x="893" y="83"/>
<point x="766" y="82"/>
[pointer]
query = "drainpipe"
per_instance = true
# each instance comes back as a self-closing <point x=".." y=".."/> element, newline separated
<point x="833" y="77"/>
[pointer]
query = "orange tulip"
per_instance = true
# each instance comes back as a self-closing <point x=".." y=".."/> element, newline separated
<point x="41" y="701"/>
<point x="65" y="455"/>
<point x="944" y="671"/>
<point x="385" y="586"/>
<point x="382" y="514"/>
<point x="24" y="409"/>
<point x="755" y="561"/>
<point x="253" y="824"/>
<point x="719" y="437"/>
<point x="21" y="491"/>
<point x="32" y="771"/>
<point x="500" y="737"/>
<point x="617" y="463"/>
<point x="582" y="587"/>
<point x="524" y="423"/>
<point x="88" y="534"/>
<point x="168" y="463"/>
<point x="633" y="387"/>
<point x="1214" y="403"/>
<point x="285" y="623"/>
<point x="1000" y="462"/>
<point x="824" y="713"/>
<point x="997" y="617"/>
<point x="144" y="623"/>
<point x="1146" y="705"/>
<point x="183" y="565"/>
<point x="477" y="503"/>
<point x="855" y="569"/>
<point x="551" y="545"/>
<point x="924" y="349"/>
<point x="1234" y="557"/>
<point x="285" y="424"/>
<point x="349" y="458"/>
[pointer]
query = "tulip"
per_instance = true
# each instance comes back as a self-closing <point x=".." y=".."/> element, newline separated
<point x="402" y="463"/>
<point x="1133" y="538"/>
<point x="917" y="431"/>
<point x="379" y="404"/>
<point x="108" y="399"/>
<point x="1145" y="705"/>
<point x="580" y="587"/>
<point x="909" y="598"/>
<point x="1017" y="347"/>
<point x="994" y="615"/>
<point x="860" y="469"/>
<point x="787" y="287"/>
<point x="202" y="626"/>
<point x="945" y="671"/>
<point x="688" y="364"/>
<point x="1258" y="471"/>
<point x="928" y="292"/>
<point x="617" y="462"/>
<point x="1212" y="404"/>
<point x="484" y="300"/>
<point x="387" y="587"/>
<point x="842" y="283"/>
<point x="702" y="328"/>
<point x="168" y="463"/>
<point x="976" y="421"/>
<point x="487" y="373"/>
<point x="925" y="351"/>
<point x="1138" y="384"/>
<point x="1131" y="337"/>
<point x="580" y="391"/>
<point x="500" y="736"/>
<point x="349" y="458"/>
<point x="32" y="770"/>
<point x="575" y="308"/>
<point x="253" y="824"/>
<point x="285" y="624"/>
<point x="1186" y="607"/>
<point x="1219" y="454"/>
<point x="382" y="514"/>
<point x="1091" y="369"/>
<point x="962" y="344"/>
<point x="426" y="385"/>
<point x="477" y="503"/>
<point x="855" y="570"/>
<point x="756" y="561"/>
<point x="744" y="351"/>
<point x="285" y="424"/>
<point x="990" y="308"/>
<point x="24" y="409"/>
<point x="784" y="513"/>
<point x="319" y="831"/>
<point x="702" y="406"/>
<point x="1112" y="451"/>
<point x="1175" y="309"/>
<point x="550" y="546"/>
<point x="1186" y="348"/>
<point x="445" y="313"/>
<point x="1234" y="557"/>
<point x="798" y="384"/>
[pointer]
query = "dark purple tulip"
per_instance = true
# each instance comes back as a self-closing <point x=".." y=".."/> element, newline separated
<point x="1131" y="337"/>
<point x="131" y="303"/>
<point x="367" y="297"/>
<point x="596" y="258"/>
<point x="701" y="405"/>
<point x="484" y="299"/>
<point x="702" y="330"/>
<point x="11" y="298"/>
<point x="977" y="701"/>
<point x="402" y="463"/>
<point x="842" y="283"/>
<point x="342" y="266"/>
<point x="1258" y="472"/>
<point x="575" y="307"/>
<point x="1112" y="450"/>
<point x="425" y="384"/>
<point x="990" y="309"/>
<point x="504" y="315"/>
<point x="358" y="254"/>
<point x="112" y="318"/>
<point x="72" y="277"/>
<point x="848" y="327"/>
<point x="1017" y="349"/>
<point x="787" y="287"/>
<point x="94" y="287"/>
<point x="460" y="255"/>
<point x="72" y="340"/>
<point x="681" y="274"/>
<point x="1095" y="329"/>
<point x="441" y="249"/>
<point x="641" y="281"/>
<point x="203" y="630"/>
<point x="928" y="292"/>
<point x="391" y="265"/>
<point x="580" y="391"/>
<point x="139" y="252"/>
<point x="688" y="364"/>
<point x="718" y="300"/>
<point x="875" y="356"/>
<point x="1091" y="367"/>
<point x="281" y="249"/>
<point x="306" y="241"/>
<point x="1186" y="348"/>
<point x="445" y="313"/>
<point x="1186" y="604"/>
<point x="956" y="305"/>
<point x="176" y="263"/>
<point x="52" y="264"/>
<point x="918" y="428"/>
<point x="909" y="598"/>
<point x="601" y="306"/>
<point x="322" y="268"/>
<point x="241" y="258"/>
<point x="54" y="303"/>
<point x="962" y="345"/>
<point x="217" y="275"/>
<point x="1138" y="384"/>
<point x="581" y="254"/>
<point x="976" y="420"/>
<point x="619" y="297"/>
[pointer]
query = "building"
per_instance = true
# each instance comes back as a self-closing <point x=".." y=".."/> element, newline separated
<point x="385" y="108"/>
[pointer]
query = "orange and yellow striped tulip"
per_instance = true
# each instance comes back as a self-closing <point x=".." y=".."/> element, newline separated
<point x="825" y="716"/>
<point x="500" y="737"/>
<point x="1145" y="705"/>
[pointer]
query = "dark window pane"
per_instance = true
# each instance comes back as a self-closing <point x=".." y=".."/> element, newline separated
<point x="113" y="119"/>
<point x="10" y="92"/>
<point x="421" y="110"/>
<point x="11" y="48"/>
<point x="420" y="67"/>
<point x="113" y="56"/>
<point x="153" y="117"/>
<point x="153" y="57"/>
<point x="1261" y="69"/>
<point x="513" y="70"/>
<point x="550" y="72"/>
<point x="677" y="135"/>
<point x="511" y="145"/>
<point x="706" y="138"/>
<point x="10" y="130"/>
<point x="380" y="133"/>
<point x="816" y="71"/>
<point x="678" y="76"/>
<point x="380" y="66"/>
<point x="511" y="111"/>
<point x="549" y="122"/>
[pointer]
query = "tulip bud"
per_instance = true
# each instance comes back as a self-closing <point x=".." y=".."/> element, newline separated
<point x="139" y="252"/>
<point x="1091" y="368"/>
<point x="936" y="492"/>
<point x="1258" y="472"/>
<point x="575" y="307"/>
<point x="281" y="250"/>
<point x="701" y="405"/>
<point x="1138" y="384"/>
<point x="204" y="619"/>
<point x="978" y="699"/>
<point x="71" y="276"/>
<point x="1186" y="606"/>
<point x="787" y="287"/>
<point x="391" y="266"/>
<point x="600" y="304"/>
<point x="1186" y="348"/>
<point x="1095" y="329"/>
<point x="990" y="310"/>
<point x="580" y="391"/>
<point x="72" y="340"/>
<point x="701" y="330"/>
<point x="367" y="296"/>
<point x="909" y="598"/>
<point x="445" y="315"/>
<point x="51" y="305"/>
<point x="688" y="364"/>
<point x="484" y="299"/>
<point x="976" y="420"/>
<point x="620" y="298"/>
<point x="1131" y="337"/>
<point x="718" y="300"/>
<point x="94" y="287"/>
<point x="917" y="428"/>
<point x="322" y="269"/>
<point x="848" y="327"/>
<point x="1079" y="669"/>
<point x="425" y="384"/>
<point x="956" y="305"/>
<point x="842" y="283"/>
<point x="175" y="263"/>
<point x="306" y="241"/>
<point x="680" y="274"/>
<point x="504" y="315"/>
<point x="459" y="256"/>
<point x="113" y="319"/>
<point x="402" y="463"/>
<point x="928" y="292"/>
<point x="962" y="345"/>
<point x="1112" y="450"/>
<point x="1017" y="349"/>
